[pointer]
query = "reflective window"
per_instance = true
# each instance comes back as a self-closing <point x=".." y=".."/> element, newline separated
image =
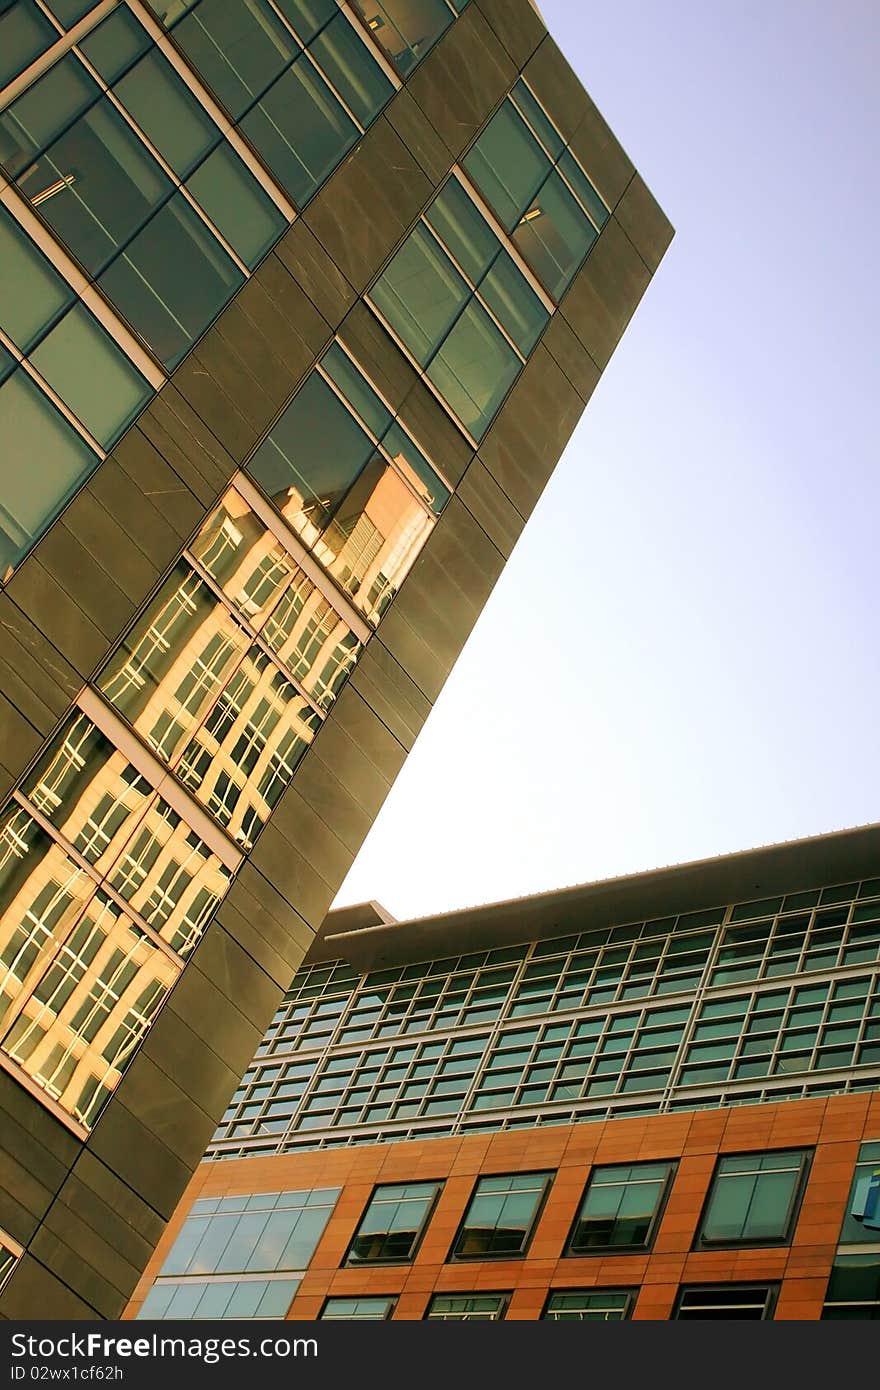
<point x="621" y="1208"/>
<point x="259" y="1233"/>
<point x="358" y="1309"/>
<point x="393" y="1224"/>
<point x="863" y="1199"/>
<point x="854" y="1288"/>
<point x="237" y="205"/>
<point x="91" y="375"/>
<point x="501" y="1216"/>
<point x="716" y="1303"/>
<point x="754" y="1199"/>
<point x="406" y="29"/>
<point x="32" y="293"/>
<point x="230" y="1298"/>
<point x="537" y="189"/>
<point x="472" y="338"/>
<point x="351" y="482"/>
<point x="589" y="1305"/>
<point x="484" y="1307"/>
<point x="25" y="33"/>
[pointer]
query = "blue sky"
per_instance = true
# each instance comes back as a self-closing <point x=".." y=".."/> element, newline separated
<point x="682" y="657"/>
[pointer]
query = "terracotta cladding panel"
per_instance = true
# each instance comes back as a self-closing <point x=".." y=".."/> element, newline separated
<point x="833" y="1128"/>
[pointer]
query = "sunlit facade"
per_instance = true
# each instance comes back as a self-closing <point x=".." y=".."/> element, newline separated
<point x="293" y="330"/>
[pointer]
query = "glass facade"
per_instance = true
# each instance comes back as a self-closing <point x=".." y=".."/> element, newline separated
<point x="589" y="1305"/>
<point x="157" y="174"/>
<point x="393" y="1224"/>
<point x="854" y="1286"/>
<point x="240" y="1257"/>
<point x="640" y="1017"/>
<point x="482" y="1307"/>
<point x="621" y="1208"/>
<point x="754" y="1199"/>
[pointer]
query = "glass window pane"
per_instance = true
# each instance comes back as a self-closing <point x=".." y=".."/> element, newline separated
<point x="32" y="293"/>
<point x="463" y="229"/>
<point x="538" y="119"/>
<point x="507" y="165"/>
<point x="91" y="375"/>
<point x="420" y="294"/>
<point x="474" y="369"/>
<point x="69" y="11"/>
<point x="237" y="205"/>
<point x="510" y="296"/>
<point x="554" y="235"/>
<point x="300" y="129"/>
<point x="42" y="462"/>
<point x="591" y="200"/>
<point x="171" y="281"/>
<point x="25" y="33"/>
<point x="239" y="49"/>
<point x="115" y="44"/>
<point x="406" y="29"/>
<point x="312" y="456"/>
<point x="421" y="476"/>
<point x="307" y="16"/>
<point x="45" y="108"/>
<point x="352" y="69"/>
<point x="356" y="389"/>
<point x="167" y="112"/>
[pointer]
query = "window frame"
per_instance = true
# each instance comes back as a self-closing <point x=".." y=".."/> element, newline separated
<point x="609" y="1251"/>
<point x="504" y="1296"/>
<point x="758" y="1243"/>
<point x="631" y="1292"/>
<point x="349" y="1263"/>
<point x="454" y="1257"/>
<point x="772" y="1287"/>
<point x="391" y="1298"/>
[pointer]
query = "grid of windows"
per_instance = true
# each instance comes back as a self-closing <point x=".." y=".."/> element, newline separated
<point x="716" y="1303"/>
<point x="589" y="1305"/>
<point x="459" y="302"/>
<point x="393" y="1224"/>
<point x="142" y="168"/>
<point x="482" y="1307"/>
<point x="754" y="1199"/>
<point x="621" y="1208"/>
<point x="501" y="1216"/>
<point x="248" y="1245"/>
<point x="554" y="1032"/>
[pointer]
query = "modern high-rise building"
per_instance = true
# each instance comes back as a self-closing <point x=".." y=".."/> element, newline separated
<point x="651" y="1097"/>
<point x="301" y="302"/>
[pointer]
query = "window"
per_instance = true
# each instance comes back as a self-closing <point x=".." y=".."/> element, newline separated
<point x="406" y="29"/>
<point x="854" y="1288"/>
<point x="459" y="302"/>
<point x="537" y="189"/>
<point x="720" y="1302"/>
<point x="358" y="1309"/>
<point x="501" y="1216"/>
<point x="854" y="1232"/>
<point x="260" y="1237"/>
<point x="393" y="1224"/>
<point x="10" y="1252"/>
<point x="754" y="1199"/>
<point x="621" y="1208"/>
<point x="589" y="1305"/>
<point x="469" y="1307"/>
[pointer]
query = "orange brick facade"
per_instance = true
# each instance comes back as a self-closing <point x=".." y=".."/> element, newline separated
<point x="832" y="1126"/>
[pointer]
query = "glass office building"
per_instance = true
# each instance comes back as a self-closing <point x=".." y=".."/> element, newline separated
<point x="301" y="301"/>
<point x="651" y="1097"/>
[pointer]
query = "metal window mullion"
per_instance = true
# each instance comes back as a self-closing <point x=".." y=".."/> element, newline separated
<point x="421" y="373"/>
<point x="504" y="237"/>
<point x="304" y="52"/>
<point x="63" y="409"/>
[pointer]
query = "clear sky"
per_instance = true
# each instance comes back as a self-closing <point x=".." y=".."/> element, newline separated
<point x="682" y="657"/>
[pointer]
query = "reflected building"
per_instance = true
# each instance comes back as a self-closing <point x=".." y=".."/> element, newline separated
<point x="295" y="325"/>
<point x="651" y="1097"/>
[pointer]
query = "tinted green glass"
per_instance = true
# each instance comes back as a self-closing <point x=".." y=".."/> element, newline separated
<point x="167" y="112"/>
<point x="238" y="49"/>
<point x="351" y="68"/>
<point x="42" y="461"/>
<point x="91" y="375"/>
<point x="69" y="11"/>
<point x="420" y="294"/>
<point x="300" y="129"/>
<point x="474" y="369"/>
<point x="588" y="195"/>
<point x="115" y="44"/>
<point x="25" y="33"/>
<point x="507" y="165"/>
<point x="48" y="106"/>
<point x="32" y="293"/>
<point x="463" y="229"/>
<point x="554" y="235"/>
<point x="308" y="16"/>
<point x="356" y="389"/>
<point x="752" y="1199"/>
<point x="171" y="281"/>
<point x="620" y="1208"/>
<point x="510" y="296"/>
<point x="236" y="204"/>
<point x="538" y="119"/>
<point x="406" y="29"/>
